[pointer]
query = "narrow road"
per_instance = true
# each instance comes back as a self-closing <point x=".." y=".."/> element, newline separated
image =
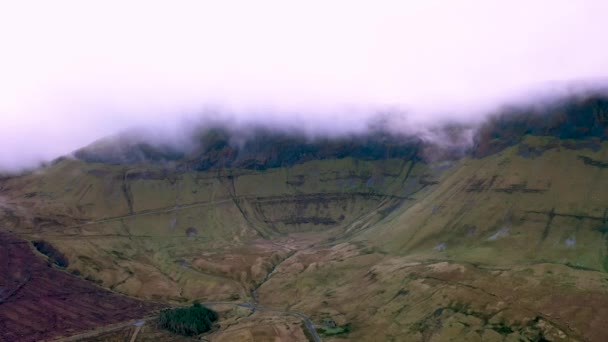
<point x="134" y="336"/>
<point x="309" y="325"/>
<point x="138" y="323"/>
<point x="255" y="307"/>
<point x="103" y="330"/>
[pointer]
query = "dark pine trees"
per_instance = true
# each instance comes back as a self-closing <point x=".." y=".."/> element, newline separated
<point x="191" y="321"/>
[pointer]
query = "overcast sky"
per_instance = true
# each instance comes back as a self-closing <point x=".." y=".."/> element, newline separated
<point x="74" y="71"/>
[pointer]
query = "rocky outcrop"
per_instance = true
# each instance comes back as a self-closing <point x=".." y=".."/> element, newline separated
<point x="217" y="148"/>
<point x="584" y="119"/>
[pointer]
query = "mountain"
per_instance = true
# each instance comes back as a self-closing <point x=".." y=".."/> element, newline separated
<point x="374" y="236"/>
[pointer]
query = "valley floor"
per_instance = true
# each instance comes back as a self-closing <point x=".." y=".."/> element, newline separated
<point x="353" y="292"/>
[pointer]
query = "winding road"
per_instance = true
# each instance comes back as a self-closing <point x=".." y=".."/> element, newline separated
<point x="139" y="322"/>
<point x="309" y="325"/>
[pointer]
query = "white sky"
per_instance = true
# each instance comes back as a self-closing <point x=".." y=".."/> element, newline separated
<point x="74" y="71"/>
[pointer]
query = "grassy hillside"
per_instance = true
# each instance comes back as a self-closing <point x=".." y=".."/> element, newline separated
<point x="506" y="247"/>
<point x="390" y="242"/>
<point x="171" y="235"/>
<point x="510" y="207"/>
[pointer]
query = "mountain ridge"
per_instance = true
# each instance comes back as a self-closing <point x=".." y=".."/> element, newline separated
<point x="503" y="239"/>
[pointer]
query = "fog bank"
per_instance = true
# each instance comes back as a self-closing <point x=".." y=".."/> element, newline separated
<point x="73" y="72"/>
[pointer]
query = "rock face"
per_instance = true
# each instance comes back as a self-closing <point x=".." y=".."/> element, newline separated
<point x="267" y="150"/>
<point x="215" y="148"/>
<point x="584" y="120"/>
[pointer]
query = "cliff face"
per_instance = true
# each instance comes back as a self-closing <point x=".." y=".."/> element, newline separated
<point x="584" y="120"/>
<point x="215" y="148"/>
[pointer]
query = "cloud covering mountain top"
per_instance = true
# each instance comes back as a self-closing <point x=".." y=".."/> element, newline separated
<point x="75" y="71"/>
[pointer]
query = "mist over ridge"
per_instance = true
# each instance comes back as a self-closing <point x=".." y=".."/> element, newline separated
<point x="202" y="144"/>
<point x="70" y="78"/>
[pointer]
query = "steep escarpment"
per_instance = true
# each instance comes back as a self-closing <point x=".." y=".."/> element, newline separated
<point x="213" y="148"/>
<point x="583" y="121"/>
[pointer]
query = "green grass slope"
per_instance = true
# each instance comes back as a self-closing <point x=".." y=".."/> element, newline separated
<point x="510" y="208"/>
<point x="509" y="247"/>
<point x="158" y="233"/>
<point x="505" y="244"/>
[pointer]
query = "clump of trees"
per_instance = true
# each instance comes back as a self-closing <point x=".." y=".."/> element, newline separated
<point x="330" y="328"/>
<point x="191" y="321"/>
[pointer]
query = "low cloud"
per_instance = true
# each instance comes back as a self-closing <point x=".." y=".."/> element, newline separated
<point x="74" y="72"/>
